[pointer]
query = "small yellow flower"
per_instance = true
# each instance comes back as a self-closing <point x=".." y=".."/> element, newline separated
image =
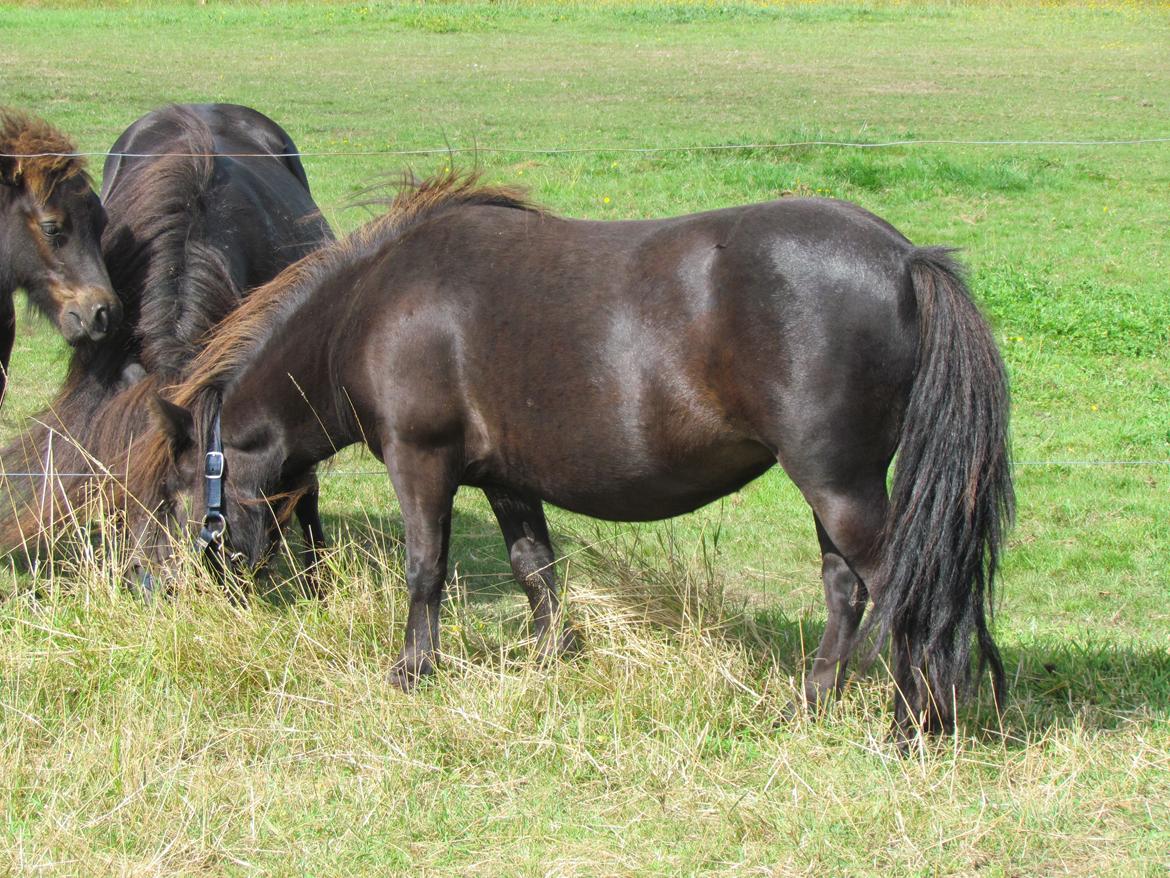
<point x="1093" y="408"/>
<point x="605" y="200"/>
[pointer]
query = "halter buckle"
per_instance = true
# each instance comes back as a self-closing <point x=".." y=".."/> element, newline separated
<point x="213" y="465"/>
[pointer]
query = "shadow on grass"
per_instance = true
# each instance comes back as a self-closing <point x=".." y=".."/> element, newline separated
<point x="1091" y="681"/>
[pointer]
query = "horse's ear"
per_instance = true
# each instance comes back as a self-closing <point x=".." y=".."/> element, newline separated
<point x="9" y="170"/>
<point x="176" y="422"/>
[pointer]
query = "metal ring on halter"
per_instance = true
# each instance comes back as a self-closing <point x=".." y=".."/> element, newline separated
<point x="215" y="524"/>
<point x="211" y="534"/>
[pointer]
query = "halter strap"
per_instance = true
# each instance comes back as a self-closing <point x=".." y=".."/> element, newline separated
<point x="214" y="520"/>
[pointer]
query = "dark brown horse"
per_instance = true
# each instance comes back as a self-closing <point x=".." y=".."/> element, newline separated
<point x="632" y="371"/>
<point x="193" y="225"/>
<point x="50" y="229"/>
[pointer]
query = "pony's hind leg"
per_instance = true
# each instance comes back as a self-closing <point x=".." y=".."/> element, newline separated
<point x="849" y="526"/>
<point x="530" y="552"/>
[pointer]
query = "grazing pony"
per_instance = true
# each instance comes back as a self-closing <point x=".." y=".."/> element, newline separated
<point x="193" y="225"/>
<point x="629" y="371"/>
<point x="50" y="230"/>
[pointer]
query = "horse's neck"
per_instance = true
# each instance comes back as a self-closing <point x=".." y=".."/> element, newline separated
<point x="310" y="413"/>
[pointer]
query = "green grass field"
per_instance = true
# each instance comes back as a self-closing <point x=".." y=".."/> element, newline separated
<point x="200" y="738"/>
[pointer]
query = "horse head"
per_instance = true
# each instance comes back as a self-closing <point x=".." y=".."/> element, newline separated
<point x="51" y="224"/>
<point x="226" y="482"/>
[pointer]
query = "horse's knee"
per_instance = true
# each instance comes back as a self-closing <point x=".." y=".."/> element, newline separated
<point x="424" y="579"/>
<point x="850" y="525"/>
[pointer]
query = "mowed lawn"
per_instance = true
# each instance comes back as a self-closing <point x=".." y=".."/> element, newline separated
<point x="196" y="737"/>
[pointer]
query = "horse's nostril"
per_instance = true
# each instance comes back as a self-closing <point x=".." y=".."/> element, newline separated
<point x="101" y="319"/>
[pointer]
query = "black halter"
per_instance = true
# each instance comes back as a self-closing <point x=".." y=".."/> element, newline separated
<point x="209" y="543"/>
<point x="214" y="521"/>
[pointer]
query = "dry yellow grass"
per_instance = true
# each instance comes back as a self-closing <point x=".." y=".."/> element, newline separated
<point x="196" y="736"/>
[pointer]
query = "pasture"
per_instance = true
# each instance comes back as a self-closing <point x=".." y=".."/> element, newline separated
<point x="198" y="737"/>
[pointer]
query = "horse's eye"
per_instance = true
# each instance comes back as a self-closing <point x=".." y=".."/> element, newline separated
<point x="51" y="229"/>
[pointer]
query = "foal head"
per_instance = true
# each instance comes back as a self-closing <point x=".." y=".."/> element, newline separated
<point x="51" y="224"/>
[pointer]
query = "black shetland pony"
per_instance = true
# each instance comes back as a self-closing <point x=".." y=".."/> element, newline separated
<point x="194" y="223"/>
<point x="50" y="229"/>
<point x="633" y="371"/>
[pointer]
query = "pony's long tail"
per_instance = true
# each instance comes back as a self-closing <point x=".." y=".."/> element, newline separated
<point x="950" y="505"/>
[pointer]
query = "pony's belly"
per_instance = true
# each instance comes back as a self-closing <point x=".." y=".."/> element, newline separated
<point x="652" y="501"/>
<point x="640" y="489"/>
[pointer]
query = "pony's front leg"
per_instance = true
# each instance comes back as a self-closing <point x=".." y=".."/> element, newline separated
<point x="7" y="338"/>
<point x="308" y="515"/>
<point x="425" y="483"/>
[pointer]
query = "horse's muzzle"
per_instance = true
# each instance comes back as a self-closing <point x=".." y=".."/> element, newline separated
<point x="92" y="314"/>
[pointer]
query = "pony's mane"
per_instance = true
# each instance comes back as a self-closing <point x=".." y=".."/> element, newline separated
<point x="49" y="468"/>
<point x="234" y="342"/>
<point x="43" y="156"/>
<point x="177" y="288"/>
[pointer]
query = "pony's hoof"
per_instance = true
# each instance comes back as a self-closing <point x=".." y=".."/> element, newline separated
<point x="788" y="715"/>
<point x="565" y="645"/>
<point x="814" y="704"/>
<point x="570" y="643"/>
<point x="904" y="740"/>
<point x="818" y="698"/>
<point x="409" y="669"/>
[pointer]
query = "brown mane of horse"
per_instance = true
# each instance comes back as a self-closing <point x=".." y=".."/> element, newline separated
<point x="150" y="257"/>
<point x="230" y="345"/>
<point x="45" y="155"/>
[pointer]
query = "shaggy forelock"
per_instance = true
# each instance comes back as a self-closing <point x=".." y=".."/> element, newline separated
<point x="44" y="156"/>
